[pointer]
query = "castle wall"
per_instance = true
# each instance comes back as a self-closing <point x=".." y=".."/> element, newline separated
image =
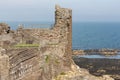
<point x="51" y="58"/>
<point x="4" y="65"/>
<point x="63" y="22"/>
<point x="22" y="62"/>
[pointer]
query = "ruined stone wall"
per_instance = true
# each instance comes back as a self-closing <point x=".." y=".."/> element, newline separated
<point x="33" y="34"/>
<point x="22" y="62"/>
<point x="4" y="65"/>
<point x="63" y="22"/>
<point x="51" y="60"/>
<point x="6" y="35"/>
<point x="54" y="55"/>
<point x="4" y="28"/>
<point x="62" y="29"/>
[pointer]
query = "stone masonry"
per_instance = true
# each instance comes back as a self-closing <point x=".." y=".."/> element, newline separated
<point x="52" y="60"/>
<point x="4" y="65"/>
<point x="55" y="44"/>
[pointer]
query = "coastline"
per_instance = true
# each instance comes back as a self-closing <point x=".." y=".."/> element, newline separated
<point x="96" y="52"/>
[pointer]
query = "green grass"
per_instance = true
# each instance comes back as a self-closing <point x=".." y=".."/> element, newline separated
<point x="26" y="45"/>
<point x="47" y="58"/>
<point x="57" y="61"/>
<point x="62" y="73"/>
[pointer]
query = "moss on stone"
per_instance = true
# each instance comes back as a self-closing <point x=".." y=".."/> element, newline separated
<point x="62" y="73"/>
<point x="47" y="58"/>
<point x="57" y="61"/>
<point x="26" y="45"/>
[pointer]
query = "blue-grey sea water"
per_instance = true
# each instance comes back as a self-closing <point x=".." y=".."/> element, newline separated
<point x="99" y="56"/>
<point x="96" y="35"/>
<point x="88" y="35"/>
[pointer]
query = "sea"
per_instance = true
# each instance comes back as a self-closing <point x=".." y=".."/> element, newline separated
<point x="85" y="35"/>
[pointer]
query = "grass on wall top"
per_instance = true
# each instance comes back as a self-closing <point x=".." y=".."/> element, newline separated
<point x="26" y="45"/>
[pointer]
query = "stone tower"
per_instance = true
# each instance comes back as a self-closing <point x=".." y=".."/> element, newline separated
<point x="63" y="22"/>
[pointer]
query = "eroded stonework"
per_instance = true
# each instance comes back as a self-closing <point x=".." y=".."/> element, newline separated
<point x="52" y="59"/>
<point x="4" y="65"/>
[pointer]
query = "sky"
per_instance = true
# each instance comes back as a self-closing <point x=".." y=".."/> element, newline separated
<point x="43" y="10"/>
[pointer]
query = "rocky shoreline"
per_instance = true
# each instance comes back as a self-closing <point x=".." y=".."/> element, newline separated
<point x="99" y="67"/>
<point x="96" y="51"/>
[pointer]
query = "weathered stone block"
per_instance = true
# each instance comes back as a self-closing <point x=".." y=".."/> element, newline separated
<point x="4" y="65"/>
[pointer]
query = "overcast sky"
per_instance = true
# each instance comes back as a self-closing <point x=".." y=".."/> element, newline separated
<point x="43" y="10"/>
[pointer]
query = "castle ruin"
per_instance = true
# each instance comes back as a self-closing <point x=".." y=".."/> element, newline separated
<point x="51" y="60"/>
<point x="24" y="64"/>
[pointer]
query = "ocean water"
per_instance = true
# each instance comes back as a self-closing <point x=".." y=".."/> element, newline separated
<point x="98" y="56"/>
<point x="86" y="35"/>
<point x="96" y="35"/>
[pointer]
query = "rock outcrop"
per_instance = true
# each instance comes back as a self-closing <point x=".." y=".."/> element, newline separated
<point x="106" y="52"/>
<point x="99" y="67"/>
